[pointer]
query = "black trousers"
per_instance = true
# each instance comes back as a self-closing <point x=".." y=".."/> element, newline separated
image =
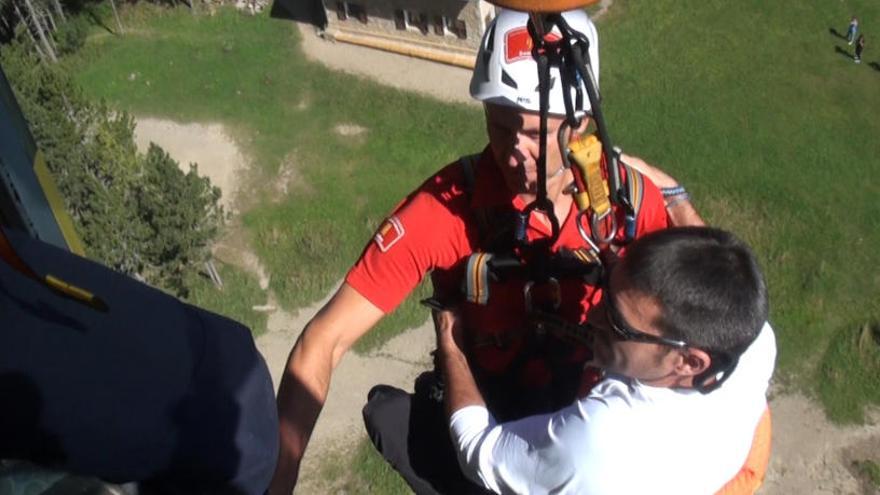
<point x="411" y="433"/>
<point x="411" y="430"/>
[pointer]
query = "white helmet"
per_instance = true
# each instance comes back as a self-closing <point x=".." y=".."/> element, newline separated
<point x="506" y="73"/>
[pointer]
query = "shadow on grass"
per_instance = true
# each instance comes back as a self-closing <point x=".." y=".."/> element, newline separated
<point x="835" y="32"/>
<point x="844" y="52"/>
<point x="875" y="66"/>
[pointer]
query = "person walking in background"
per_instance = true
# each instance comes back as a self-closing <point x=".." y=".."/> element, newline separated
<point x="860" y="45"/>
<point x="852" y="30"/>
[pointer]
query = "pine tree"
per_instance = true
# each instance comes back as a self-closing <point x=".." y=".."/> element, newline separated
<point x="138" y="214"/>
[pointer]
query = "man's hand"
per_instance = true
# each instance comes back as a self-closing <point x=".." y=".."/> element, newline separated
<point x="448" y="328"/>
<point x="461" y="389"/>
<point x="679" y="209"/>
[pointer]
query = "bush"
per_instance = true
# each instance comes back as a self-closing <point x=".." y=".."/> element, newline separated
<point x="71" y="35"/>
<point x="181" y="214"/>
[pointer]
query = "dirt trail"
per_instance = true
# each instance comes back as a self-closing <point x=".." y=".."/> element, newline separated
<point x="446" y="82"/>
<point x="812" y="456"/>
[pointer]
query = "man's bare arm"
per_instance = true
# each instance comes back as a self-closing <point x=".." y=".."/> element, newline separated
<point x="679" y="209"/>
<point x="306" y="380"/>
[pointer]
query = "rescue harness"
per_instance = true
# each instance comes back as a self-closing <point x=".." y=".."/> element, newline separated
<point x="603" y="200"/>
<point x="597" y="189"/>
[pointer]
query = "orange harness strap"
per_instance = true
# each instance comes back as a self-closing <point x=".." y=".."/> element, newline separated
<point x="751" y="476"/>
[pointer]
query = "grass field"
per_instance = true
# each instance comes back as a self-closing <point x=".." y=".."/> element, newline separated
<point x="774" y="131"/>
<point x="755" y="106"/>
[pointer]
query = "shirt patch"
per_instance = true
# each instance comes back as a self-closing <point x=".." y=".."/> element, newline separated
<point x="518" y="44"/>
<point x="389" y="233"/>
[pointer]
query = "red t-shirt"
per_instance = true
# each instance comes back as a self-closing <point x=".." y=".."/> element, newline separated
<point x="434" y="230"/>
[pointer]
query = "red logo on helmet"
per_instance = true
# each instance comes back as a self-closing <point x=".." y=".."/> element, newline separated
<point x="518" y="44"/>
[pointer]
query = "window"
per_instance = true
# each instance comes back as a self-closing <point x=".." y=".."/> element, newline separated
<point x="344" y="10"/>
<point x="460" y="29"/>
<point x="422" y="22"/>
<point x="357" y="11"/>
<point x="406" y="20"/>
<point x="439" y="25"/>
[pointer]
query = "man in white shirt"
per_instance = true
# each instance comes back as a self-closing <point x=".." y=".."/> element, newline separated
<point x="687" y="354"/>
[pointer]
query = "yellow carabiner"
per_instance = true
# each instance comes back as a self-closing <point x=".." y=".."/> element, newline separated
<point x="586" y="153"/>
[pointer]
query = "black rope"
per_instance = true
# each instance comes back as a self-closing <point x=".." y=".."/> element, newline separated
<point x="542" y="203"/>
<point x="570" y="55"/>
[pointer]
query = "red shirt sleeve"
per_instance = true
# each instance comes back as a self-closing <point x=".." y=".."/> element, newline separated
<point x="425" y="232"/>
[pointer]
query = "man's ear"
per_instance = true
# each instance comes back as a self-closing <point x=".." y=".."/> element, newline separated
<point x="693" y="362"/>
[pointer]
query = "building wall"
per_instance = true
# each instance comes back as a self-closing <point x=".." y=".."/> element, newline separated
<point x="426" y="24"/>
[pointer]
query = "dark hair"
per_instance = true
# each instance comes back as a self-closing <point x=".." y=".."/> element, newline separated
<point x="708" y="283"/>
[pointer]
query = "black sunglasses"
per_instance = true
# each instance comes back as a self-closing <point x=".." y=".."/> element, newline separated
<point x="624" y="331"/>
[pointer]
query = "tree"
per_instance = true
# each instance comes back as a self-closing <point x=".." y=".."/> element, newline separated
<point x="36" y="22"/>
<point x="182" y="214"/>
<point x="116" y="15"/>
<point x="137" y="214"/>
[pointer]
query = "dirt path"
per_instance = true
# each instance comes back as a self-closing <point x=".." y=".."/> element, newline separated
<point x="812" y="456"/>
<point x="444" y="82"/>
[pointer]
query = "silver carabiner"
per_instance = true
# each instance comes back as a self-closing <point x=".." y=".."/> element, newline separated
<point x="595" y="227"/>
<point x="584" y="235"/>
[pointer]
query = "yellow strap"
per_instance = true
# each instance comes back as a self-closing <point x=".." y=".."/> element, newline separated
<point x="71" y="290"/>
<point x="586" y="153"/>
<point x="586" y="256"/>
<point x="56" y="204"/>
<point x="477" y="284"/>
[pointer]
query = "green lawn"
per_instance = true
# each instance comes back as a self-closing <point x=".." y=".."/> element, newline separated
<point x="773" y="131"/>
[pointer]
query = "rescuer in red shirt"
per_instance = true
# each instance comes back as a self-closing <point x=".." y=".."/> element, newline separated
<point x="470" y="210"/>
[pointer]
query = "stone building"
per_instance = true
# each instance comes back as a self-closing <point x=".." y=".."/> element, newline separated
<point x="447" y="31"/>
